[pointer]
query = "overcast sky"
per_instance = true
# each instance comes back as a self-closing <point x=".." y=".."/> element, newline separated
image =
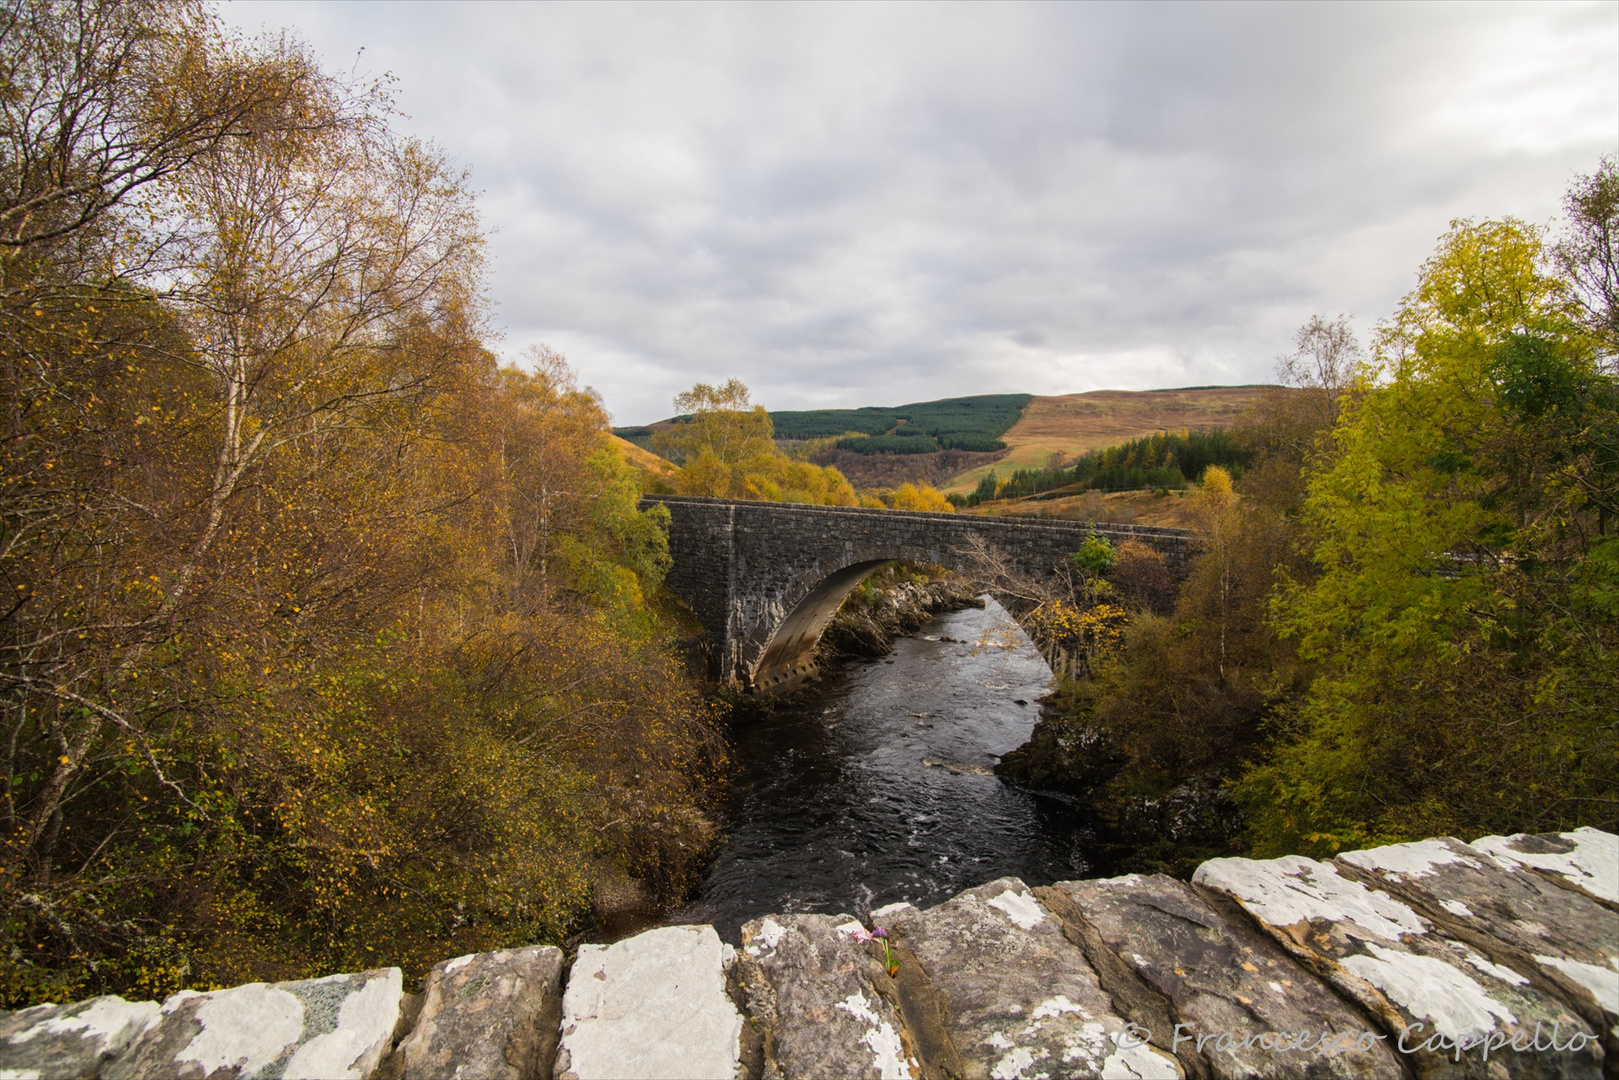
<point x="861" y="204"/>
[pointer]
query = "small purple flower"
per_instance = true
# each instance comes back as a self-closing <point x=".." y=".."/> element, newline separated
<point x="878" y="934"/>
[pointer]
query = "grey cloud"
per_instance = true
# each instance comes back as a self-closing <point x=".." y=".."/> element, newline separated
<point x="873" y="204"/>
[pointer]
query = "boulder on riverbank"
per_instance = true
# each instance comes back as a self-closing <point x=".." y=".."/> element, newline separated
<point x="1067" y="758"/>
<point x="893" y="602"/>
<point x="1139" y="828"/>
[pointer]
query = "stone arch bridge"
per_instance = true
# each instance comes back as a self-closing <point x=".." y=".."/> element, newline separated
<point x="764" y="579"/>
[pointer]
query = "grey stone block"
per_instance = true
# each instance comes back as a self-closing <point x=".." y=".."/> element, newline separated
<point x="1511" y="914"/>
<point x="1223" y="977"/>
<point x="1439" y="996"/>
<point x="651" y="1007"/>
<point x="1586" y="858"/>
<point x="492" y="1016"/>
<point x="1022" y="1000"/>
<point x="336" y="1028"/>
<point x="69" y="1041"/>
<point x="825" y="1006"/>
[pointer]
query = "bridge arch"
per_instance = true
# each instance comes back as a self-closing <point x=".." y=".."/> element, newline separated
<point x="764" y="579"/>
<point x="787" y="656"/>
<point x="787" y="651"/>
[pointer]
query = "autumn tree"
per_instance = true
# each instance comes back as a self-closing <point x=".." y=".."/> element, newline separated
<point x="1586" y="260"/>
<point x="1285" y="428"/>
<point x="723" y="443"/>
<point x="100" y="101"/>
<point x="104" y="103"/>
<point x="1585" y="253"/>
<point x="918" y="497"/>
<point x="1458" y="549"/>
<point x="570" y="513"/>
<point x="1142" y="578"/>
<point x="326" y="634"/>
<point x="717" y="435"/>
<point x="301" y="260"/>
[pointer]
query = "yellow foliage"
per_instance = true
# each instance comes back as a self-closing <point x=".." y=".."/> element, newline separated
<point x="780" y="479"/>
<point x="1093" y="631"/>
<point x="1217" y="481"/>
<point x="727" y="453"/>
<point x="919" y="497"/>
<point x="328" y="647"/>
<point x="704" y="473"/>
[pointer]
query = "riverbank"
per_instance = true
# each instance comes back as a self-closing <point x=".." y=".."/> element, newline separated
<point x="1143" y="823"/>
<point x="895" y="601"/>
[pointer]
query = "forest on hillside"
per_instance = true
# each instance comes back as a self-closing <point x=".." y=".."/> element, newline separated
<point x="1165" y="460"/>
<point x="325" y="637"/>
<point x="972" y="424"/>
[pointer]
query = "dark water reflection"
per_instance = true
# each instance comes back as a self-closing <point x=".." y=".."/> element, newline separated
<point x="879" y="789"/>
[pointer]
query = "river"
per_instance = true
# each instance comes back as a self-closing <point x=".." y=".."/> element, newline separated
<point x="876" y="787"/>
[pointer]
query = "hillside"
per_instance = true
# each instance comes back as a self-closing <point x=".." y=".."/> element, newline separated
<point x="970" y="424"/>
<point x="651" y="465"/>
<point x="1070" y="424"/>
<point x="970" y="429"/>
<point x="1168" y="510"/>
<point x="891" y="470"/>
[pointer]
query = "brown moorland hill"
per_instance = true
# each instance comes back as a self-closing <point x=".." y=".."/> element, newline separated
<point x="1070" y="424"/>
<point x="1170" y="510"/>
<point x="891" y="470"/>
<point x="651" y="465"/>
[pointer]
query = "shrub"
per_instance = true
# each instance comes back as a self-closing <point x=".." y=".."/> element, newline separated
<point x="1141" y="578"/>
<point x="1095" y="556"/>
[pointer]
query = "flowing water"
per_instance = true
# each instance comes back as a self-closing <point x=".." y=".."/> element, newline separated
<point x="878" y="787"/>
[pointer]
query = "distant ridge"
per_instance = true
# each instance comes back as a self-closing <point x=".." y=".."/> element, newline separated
<point x="1178" y="389"/>
<point x="972" y="423"/>
<point x="954" y="442"/>
<point x="1070" y="424"/>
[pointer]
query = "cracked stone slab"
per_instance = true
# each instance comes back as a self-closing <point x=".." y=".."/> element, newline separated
<point x="69" y="1041"/>
<point x="491" y="1015"/>
<point x="1022" y="1000"/>
<point x="1569" y="937"/>
<point x="336" y="1028"/>
<point x="825" y="1005"/>
<point x="653" y="1006"/>
<point x="1409" y="972"/>
<point x="1223" y="976"/>
<point x="1586" y="858"/>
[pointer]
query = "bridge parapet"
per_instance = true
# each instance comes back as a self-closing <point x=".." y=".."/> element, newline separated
<point x="764" y="579"/>
<point x="1433" y="958"/>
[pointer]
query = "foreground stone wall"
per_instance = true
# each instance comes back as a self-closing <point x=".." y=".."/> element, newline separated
<point x="765" y="578"/>
<point x="1429" y="959"/>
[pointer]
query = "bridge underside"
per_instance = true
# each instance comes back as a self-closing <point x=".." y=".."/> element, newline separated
<point x="789" y="658"/>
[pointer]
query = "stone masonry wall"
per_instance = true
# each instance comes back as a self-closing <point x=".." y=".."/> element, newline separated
<point x="744" y="568"/>
<point x="1428" y="959"/>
